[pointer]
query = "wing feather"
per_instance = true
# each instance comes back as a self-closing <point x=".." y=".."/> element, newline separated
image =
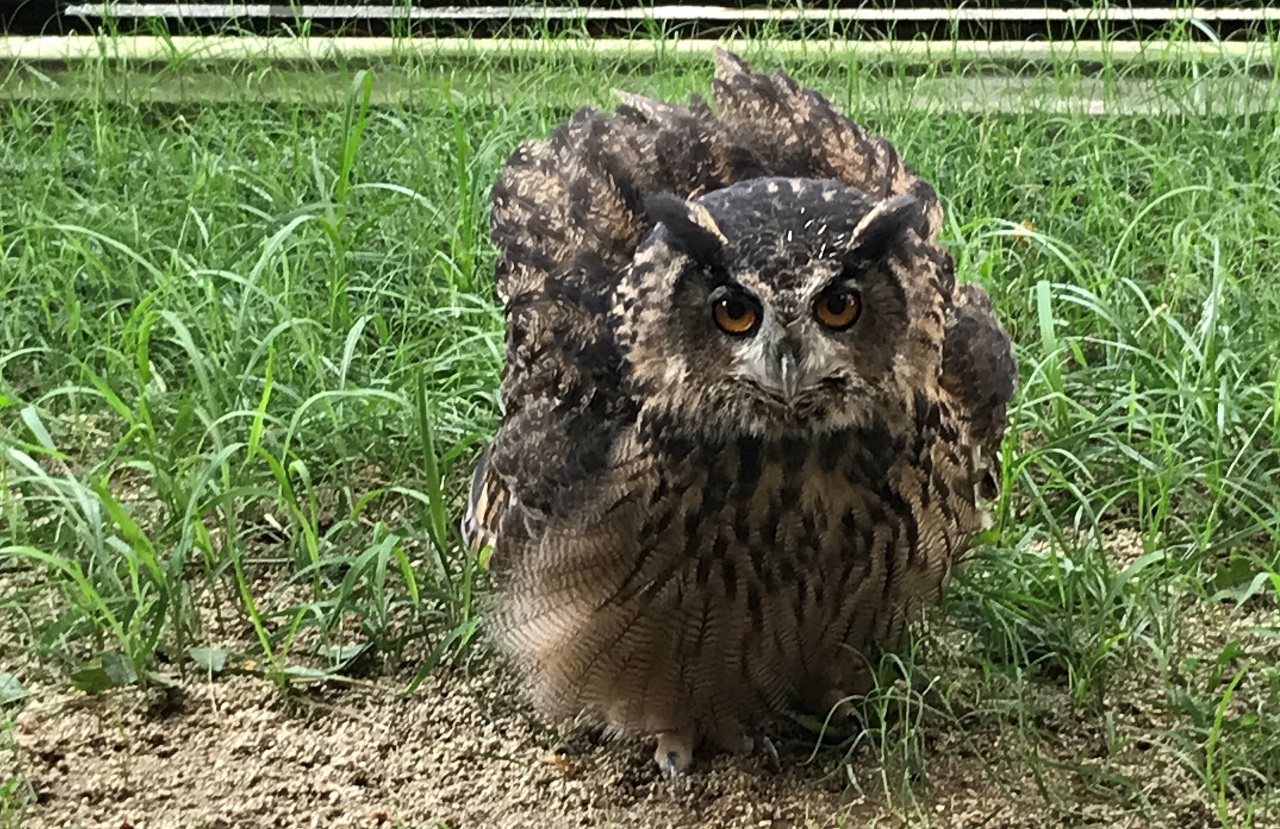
<point x="980" y="372"/>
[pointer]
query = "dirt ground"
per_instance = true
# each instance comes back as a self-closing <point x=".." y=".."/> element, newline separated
<point x="464" y="752"/>
<point x="461" y="753"/>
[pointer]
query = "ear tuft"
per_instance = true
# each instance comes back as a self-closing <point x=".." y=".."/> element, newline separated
<point x="692" y="228"/>
<point x="883" y="227"/>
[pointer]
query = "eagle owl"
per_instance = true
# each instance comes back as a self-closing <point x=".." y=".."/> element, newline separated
<point x="749" y="417"/>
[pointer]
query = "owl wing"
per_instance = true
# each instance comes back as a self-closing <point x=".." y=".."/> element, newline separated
<point x="566" y="216"/>
<point x="581" y="190"/>
<point x="786" y="129"/>
<point x="565" y="405"/>
<point x="980" y="373"/>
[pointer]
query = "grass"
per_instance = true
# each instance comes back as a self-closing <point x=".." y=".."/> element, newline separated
<point x="250" y="349"/>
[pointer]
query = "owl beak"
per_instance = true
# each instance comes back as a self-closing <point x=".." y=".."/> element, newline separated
<point x="778" y="368"/>
<point x="785" y="368"/>
<point x="788" y="373"/>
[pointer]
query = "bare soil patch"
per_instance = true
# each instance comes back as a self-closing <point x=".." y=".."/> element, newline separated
<point x="462" y="752"/>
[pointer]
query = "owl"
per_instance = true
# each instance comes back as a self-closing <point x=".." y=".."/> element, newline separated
<point x="750" y="420"/>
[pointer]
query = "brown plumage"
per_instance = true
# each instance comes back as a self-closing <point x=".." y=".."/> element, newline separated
<point x="749" y="417"/>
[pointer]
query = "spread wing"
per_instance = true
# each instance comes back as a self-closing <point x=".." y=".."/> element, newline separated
<point x="980" y="373"/>
<point x="793" y="131"/>
<point x="567" y="215"/>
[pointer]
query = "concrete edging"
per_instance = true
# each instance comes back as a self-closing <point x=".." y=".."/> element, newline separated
<point x="73" y="49"/>
<point x="685" y="12"/>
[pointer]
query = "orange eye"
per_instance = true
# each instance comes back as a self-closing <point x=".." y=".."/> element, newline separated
<point x="736" y="315"/>
<point x="838" y="310"/>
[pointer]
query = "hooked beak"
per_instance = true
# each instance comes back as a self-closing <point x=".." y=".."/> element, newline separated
<point x="783" y="371"/>
<point x="789" y="374"/>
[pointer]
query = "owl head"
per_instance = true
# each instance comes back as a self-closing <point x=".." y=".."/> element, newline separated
<point x="775" y="304"/>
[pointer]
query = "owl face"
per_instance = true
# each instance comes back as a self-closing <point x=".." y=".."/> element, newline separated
<point x="770" y="304"/>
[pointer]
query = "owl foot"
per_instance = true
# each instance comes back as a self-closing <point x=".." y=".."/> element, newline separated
<point x="762" y="742"/>
<point x="753" y="741"/>
<point x="673" y="755"/>
<point x="837" y="708"/>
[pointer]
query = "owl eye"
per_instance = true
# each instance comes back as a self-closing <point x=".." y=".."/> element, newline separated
<point x="736" y="315"/>
<point x="838" y="310"/>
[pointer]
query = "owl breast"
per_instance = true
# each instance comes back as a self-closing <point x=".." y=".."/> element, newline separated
<point x="747" y="577"/>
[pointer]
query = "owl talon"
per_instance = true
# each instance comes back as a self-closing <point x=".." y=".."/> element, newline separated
<point x="765" y="746"/>
<point x="838" y="708"/>
<point x="673" y="770"/>
<point x="673" y="755"/>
